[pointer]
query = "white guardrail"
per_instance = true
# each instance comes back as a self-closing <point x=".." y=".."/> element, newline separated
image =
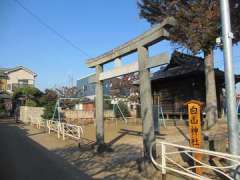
<point x="37" y="122"/>
<point x="172" y="157"/>
<point x="64" y="129"/>
<point x="54" y="126"/>
<point x="72" y="131"/>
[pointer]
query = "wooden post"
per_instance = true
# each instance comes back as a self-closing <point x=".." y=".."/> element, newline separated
<point x="146" y="102"/>
<point x="195" y="130"/>
<point x="99" y="107"/>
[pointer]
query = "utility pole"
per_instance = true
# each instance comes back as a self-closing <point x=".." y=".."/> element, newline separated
<point x="232" y="119"/>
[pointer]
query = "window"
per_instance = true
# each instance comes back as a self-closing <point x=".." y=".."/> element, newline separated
<point x="9" y="87"/>
<point x="23" y="81"/>
<point x="84" y="88"/>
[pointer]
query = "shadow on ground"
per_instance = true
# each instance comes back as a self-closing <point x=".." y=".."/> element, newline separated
<point x="120" y="164"/>
<point x="21" y="158"/>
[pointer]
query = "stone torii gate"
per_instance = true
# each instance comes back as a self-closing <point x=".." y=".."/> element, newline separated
<point x="140" y="45"/>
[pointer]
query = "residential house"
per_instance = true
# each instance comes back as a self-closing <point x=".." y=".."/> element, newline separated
<point x="13" y="78"/>
<point x="3" y="81"/>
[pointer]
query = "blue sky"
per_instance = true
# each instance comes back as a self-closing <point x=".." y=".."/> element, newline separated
<point x="94" y="26"/>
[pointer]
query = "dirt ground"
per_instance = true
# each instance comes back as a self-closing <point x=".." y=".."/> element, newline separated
<point x="21" y="158"/>
<point x="125" y="140"/>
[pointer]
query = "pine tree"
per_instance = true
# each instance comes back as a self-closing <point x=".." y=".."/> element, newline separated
<point x="198" y="24"/>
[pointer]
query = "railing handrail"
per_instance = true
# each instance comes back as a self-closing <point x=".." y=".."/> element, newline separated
<point x="235" y="160"/>
<point x="65" y="129"/>
<point x="198" y="150"/>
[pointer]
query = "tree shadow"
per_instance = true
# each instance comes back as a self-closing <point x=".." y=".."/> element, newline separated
<point x="183" y="134"/>
<point x="120" y="164"/>
<point x="139" y="133"/>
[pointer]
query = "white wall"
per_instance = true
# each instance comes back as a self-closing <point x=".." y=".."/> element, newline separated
<point x="20" y="74"/>
<point x="30" y="113"/>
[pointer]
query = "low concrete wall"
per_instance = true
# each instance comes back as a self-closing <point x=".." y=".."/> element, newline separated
<point x="27" y="113"/>
<point x="80" y="117"/>
<point x="78" y="114"/>
<point x="109" y="114"/>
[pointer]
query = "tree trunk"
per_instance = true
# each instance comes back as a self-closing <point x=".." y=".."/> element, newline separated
<point x="211" y="98"/>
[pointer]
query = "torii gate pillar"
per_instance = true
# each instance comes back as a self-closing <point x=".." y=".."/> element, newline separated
<point x="99" y="107"/>
<point x="146" y="101"/>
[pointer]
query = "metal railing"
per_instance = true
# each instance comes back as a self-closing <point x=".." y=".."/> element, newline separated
<point x="54" y="126"/>
<point x="41" y="123"/>
<point x="15" y="86"/>
<point x="37" y="122"/>
<point x="72" y="131"/>
<point x="65" y="129"/>
<point x="182" y="161"/>
<point x="33" y="121"/>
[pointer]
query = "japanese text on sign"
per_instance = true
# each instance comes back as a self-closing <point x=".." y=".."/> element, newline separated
<point x="194" y="124"/>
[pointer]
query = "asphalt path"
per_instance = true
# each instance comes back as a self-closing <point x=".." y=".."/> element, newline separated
<point x="23" y="159"/>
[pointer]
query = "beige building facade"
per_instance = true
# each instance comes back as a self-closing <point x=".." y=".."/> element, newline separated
<point x="18" y="77"/>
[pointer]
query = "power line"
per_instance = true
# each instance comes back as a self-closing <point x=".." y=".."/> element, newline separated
<point x="50" y="28"/>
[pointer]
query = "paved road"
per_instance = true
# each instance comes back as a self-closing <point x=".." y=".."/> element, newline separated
<point x="23" y="159"/>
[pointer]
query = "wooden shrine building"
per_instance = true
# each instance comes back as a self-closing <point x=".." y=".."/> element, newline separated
<point x="181" y="80"/>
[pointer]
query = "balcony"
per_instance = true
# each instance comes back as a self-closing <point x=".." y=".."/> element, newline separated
<point x="14" y="86"/>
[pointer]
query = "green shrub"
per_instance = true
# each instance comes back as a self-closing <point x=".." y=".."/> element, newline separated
<point x="48" y="111"/>
<point x="107" y="105"/>
<point x="2" y="110"/>
<point x="48" y="101"/>
<point x="28" y="96"/>
<point x="30" y="102"/>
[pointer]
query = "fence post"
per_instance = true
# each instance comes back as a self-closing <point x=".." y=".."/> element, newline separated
<point x="79" y="133"/>
<point x="163" y="161"/>
<point x="63" y="131"/>
<point x="49" y="127"/>
<point x="181" y="116"/>
<point x="58" y="129"/>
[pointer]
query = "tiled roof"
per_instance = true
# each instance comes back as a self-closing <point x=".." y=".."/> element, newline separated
<point x="182" y="64"/>
<point x="4" y="71"/>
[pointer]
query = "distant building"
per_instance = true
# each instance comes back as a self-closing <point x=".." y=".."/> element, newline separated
<point x="13" y="78"/>
<point x="86" y="86"/>
<point x="85" y="105"/>
<point x="115" y="87"/>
